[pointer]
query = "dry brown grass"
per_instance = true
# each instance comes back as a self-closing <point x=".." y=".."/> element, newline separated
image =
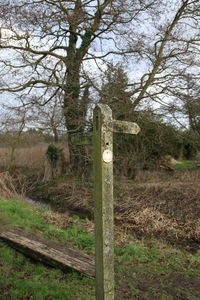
<point x="7" y="187"/>
<point x="29" y="162"/>
<point x="58" y="220"/>
<point x="166" y="208"/>
<point x="164" y="205"/>
<point x="32" y="157"/>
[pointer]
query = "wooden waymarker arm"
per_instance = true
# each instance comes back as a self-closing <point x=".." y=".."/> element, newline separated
<point x="125" y="127"/>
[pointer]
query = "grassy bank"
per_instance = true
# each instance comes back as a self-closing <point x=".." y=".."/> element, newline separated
<point x="20" y="277"/>
<point x="145" y="269"/>
<point x="187" y="165"/>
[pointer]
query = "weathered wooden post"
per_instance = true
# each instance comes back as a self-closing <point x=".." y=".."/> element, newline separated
<point x="103" y="191"/>
<point x="104" y="126"/>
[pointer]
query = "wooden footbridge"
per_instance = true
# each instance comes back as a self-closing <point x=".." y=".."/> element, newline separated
<point x="48" y="252"/>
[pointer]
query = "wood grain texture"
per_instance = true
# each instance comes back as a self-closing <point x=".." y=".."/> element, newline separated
<point x="49" y="252"/>
<point x="103" y="200"/>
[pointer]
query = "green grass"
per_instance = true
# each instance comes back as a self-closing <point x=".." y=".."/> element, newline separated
<point x="186" y="165"/>
<point x="20" y="214"/>
<point x="157" y="273"/>
<point x="20" y="278"/>
<point x="160" y="260"/>
<point x="144" y="270"/>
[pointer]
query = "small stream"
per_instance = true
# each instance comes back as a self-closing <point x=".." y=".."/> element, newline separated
<point x="39" y="203"/>
<point x="82" y="213"/>
<point x="194" y="245"/>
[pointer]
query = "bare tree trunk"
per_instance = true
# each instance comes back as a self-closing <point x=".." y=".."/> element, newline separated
<point x="74" y="117"/>
<point x="12" y="157"/>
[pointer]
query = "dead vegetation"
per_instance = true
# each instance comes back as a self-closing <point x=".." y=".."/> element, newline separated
<point x="33" y="156"/>
<point x="32" y="160"/>
<point x="161" y="205"/>
<point x="7" y="187"/>
<point x="168" y="209"/>
<point x="157" y="206"/>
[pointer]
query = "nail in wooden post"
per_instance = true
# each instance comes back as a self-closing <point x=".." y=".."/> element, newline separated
<point x="103" y="192"/>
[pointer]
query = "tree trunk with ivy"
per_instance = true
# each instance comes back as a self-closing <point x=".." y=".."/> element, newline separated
<point x="75" y="108"/>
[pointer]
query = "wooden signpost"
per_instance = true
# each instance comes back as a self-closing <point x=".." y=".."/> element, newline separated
<point x="103" y="128"/>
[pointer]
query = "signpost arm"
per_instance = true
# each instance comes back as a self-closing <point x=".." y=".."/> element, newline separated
<point x="103" y="194"/>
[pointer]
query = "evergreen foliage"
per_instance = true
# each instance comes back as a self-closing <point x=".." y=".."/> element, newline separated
<point x="114" y="92"/>
<point x="53" y="155"/>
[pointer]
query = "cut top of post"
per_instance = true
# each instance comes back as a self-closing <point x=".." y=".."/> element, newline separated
<point x="108" y="124"/>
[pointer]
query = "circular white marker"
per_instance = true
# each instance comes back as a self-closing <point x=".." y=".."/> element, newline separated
<point x="107" y="156"/>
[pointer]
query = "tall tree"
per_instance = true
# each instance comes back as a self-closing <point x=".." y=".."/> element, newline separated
<point x="169" y="47"/>
<point x="49" y="40"/>
<point x="165" y="46"/>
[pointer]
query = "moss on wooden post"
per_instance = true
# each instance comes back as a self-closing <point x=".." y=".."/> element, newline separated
<point x="103" y="177"/>
<point x="103" y="128"/>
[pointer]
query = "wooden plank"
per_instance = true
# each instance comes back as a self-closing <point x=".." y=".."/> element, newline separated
<point x="49" y="252"/>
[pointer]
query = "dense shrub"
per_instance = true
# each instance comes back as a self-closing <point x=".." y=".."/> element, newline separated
<point x="146" y="150"/>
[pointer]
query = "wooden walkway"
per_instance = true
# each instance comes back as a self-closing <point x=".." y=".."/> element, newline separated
<point x="49" y="252"/>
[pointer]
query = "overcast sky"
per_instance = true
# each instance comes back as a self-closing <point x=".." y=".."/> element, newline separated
<point x="135" y="68"/>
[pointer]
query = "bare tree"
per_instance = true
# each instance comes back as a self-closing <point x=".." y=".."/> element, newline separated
<point x="51" y="40"/>
<point x="185" y="95"/>
<point x="171" y="47"/>
<point x="48" y="44"/>
<point x="50" y="118"/>
<point x="166" y="47"/>
<point x="12" y="124"/>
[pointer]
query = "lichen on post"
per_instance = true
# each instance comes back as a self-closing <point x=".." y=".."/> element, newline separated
<point x="103" y="128"/>
<point x="103" y="192"/>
